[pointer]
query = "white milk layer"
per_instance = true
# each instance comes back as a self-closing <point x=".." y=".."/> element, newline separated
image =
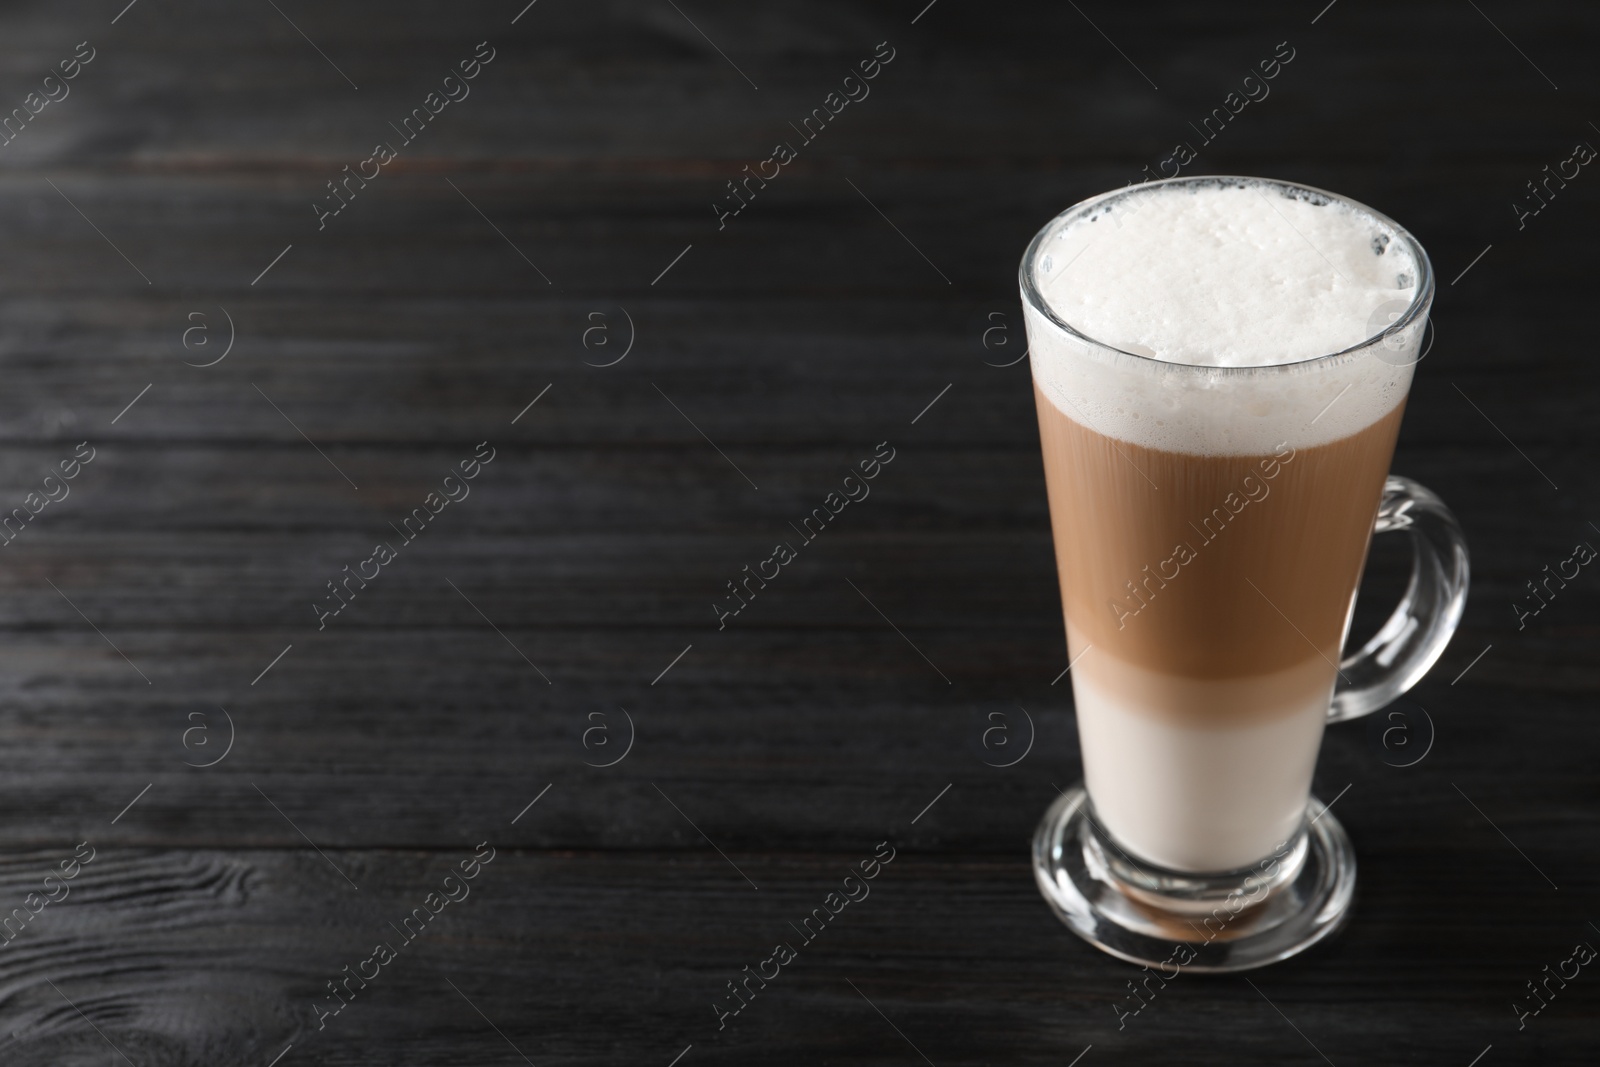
<point x="1197" y="799"/>
<point x="1221" y="284"/>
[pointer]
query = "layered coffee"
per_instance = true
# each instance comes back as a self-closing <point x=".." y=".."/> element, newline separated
<point x="1215" y="460"/>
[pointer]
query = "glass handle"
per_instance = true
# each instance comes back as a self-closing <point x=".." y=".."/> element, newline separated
<point x="1416" y="634"/>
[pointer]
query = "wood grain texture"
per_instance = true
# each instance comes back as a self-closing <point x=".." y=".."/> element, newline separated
<point x="185" y="958"/>
<point x="142" y="614"/>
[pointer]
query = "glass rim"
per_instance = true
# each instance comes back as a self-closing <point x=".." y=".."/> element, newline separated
<point x="1416" y="311"/>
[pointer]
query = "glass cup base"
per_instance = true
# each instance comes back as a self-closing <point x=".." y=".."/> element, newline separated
<point x="1229" y="921"/>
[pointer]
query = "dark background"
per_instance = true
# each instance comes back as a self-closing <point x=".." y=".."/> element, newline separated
<point x="378" y="752"/>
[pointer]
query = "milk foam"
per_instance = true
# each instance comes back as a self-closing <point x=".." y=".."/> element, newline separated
<point x="1232" y="288"/>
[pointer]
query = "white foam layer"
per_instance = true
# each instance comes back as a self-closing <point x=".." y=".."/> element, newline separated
<point x="1232" y="291"/>
<point x="1233" y="275"/>
<point x="1196" y="799"/>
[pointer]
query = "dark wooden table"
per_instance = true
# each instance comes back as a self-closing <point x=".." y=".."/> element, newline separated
<point x="268" y="790"/>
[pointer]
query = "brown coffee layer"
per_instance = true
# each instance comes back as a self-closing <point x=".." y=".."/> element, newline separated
<point x="1199" y="703"/>
<point x="1211" y="567"/>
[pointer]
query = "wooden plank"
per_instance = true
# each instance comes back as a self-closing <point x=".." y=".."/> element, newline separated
<point x="184" y="86"/>
<point x="543" y="949"/>
<point x="771" y="738"/>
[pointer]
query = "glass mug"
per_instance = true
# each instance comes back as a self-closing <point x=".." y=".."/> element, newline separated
<point x="1207" y="596"/>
